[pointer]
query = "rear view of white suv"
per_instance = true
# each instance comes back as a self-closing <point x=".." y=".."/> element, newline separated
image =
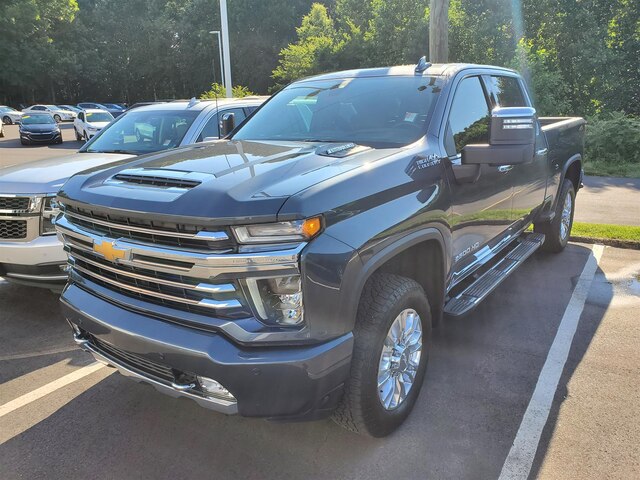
<point x="89" y="122"/>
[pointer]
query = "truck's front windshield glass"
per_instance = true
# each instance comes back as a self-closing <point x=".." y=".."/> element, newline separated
<point x="140" y="131"/>
<point x="387" y="111"/>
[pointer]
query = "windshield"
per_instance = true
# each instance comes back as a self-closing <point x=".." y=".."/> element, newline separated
<point x="68" y="107"/>
<point x="139" y="132"/>
<point x="112" y="106"/>
<point x="7" y="109"/>
<point x="94" y="117"/>
<point x="40" y="118"/>
<point x="376" y="111"/>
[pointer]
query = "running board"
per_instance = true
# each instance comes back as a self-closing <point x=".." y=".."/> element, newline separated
<point x="486" y="283"/>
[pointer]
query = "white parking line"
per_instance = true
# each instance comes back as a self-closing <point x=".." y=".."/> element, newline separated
<point x="49" y="388"/>
<point x="520" y="458"/>
<point x="53" y="351"/>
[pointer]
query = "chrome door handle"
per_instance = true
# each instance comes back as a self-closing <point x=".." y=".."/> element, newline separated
<point x="504" y="168"/>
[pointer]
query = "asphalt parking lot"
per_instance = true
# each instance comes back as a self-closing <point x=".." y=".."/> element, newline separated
<point x="12" y="152"/>
<point x="482" y="413"/>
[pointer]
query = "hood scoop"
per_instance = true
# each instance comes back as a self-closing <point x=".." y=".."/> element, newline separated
<point x="341" y="151"/>
<point x="159" y="178"/>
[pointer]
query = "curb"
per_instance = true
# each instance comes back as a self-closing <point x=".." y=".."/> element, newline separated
<point x="612" y="242"/>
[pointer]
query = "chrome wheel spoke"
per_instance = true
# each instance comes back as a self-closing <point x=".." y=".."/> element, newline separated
<point x="399" y="359"/>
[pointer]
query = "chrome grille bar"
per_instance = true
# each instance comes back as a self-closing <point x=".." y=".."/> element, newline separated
<point x="204" y="236"/>
<point x="207" y="303"/>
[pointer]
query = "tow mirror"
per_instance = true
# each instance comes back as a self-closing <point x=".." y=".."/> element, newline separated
<point x="227" y="124"/>
<point x="512" y="133"/>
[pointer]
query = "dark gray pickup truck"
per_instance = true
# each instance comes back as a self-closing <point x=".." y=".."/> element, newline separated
<point x="294" y="269"/>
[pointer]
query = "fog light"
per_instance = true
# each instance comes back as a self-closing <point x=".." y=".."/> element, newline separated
<point x="211" y="388"/>
<point x="277" y="300"/>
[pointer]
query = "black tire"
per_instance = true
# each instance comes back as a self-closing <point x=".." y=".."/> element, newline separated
<point x="7" y="120"/>
<point x="78" y="136"/>
<point x="383" y="298"/>
<point x="1" y="132"/>
<point x="23" y="142"/>
<point x="86" y="137"/>
<point x="57" y="118"/>
<point x="555" y="241"/>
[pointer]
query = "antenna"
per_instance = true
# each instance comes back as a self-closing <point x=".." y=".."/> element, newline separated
<point x="422" y="65"/>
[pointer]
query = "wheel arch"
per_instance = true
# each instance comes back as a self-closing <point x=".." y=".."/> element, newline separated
<point x="420" y="256"/>
<point x="573" y="171"/>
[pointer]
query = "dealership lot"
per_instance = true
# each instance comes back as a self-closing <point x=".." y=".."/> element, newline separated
<point x="12" y="153"/>
<point x="63" y="417"/>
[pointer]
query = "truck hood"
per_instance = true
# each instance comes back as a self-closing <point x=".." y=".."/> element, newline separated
<point x="225" y="182"/>
<point x="47" y="176"/>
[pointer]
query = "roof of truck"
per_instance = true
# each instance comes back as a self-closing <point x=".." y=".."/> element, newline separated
<point x="438" y="69"/>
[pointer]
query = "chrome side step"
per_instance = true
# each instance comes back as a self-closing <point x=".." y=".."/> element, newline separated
<point x="489" y="280"/>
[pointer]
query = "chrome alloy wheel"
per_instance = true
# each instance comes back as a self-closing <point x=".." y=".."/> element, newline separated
<point x="565" y="219"/>
<point x="400" y="359"/>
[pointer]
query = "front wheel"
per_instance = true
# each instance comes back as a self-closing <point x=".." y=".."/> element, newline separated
<point x="57" y="118"/>
<point x="391" y="345"/>
<point x="7" y="120"/>
<point x="78" y="136"/>
<point x="558" y="231"/>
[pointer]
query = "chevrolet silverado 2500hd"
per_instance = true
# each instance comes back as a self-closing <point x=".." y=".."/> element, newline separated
<point x="293" y="269"/>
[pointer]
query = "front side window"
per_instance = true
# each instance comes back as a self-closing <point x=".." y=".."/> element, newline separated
<point x="139" y="132"/>
<point x="468" y="117"/>
<point x="507" y="91"/>
<point x="389" y="111"/>
<point x="38" y="107"/>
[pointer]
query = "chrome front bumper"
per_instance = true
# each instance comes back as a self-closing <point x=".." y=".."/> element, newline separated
<point x="173" y="390"/>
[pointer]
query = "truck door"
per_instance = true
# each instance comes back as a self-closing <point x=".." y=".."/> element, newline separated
<point x="481" y="208"/>
<point x="529" y="179"/>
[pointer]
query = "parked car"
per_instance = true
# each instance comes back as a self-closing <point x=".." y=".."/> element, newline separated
<point x="9" y="115"/>
<point x="114" y="110"/>
<point x="29" y="250"/>
<point x="294" y="268"/>
<point x="60" y="115"/>
<point x="39" y="128"/>
<point x="89" y="122"/>
<point x="71" y="108"/>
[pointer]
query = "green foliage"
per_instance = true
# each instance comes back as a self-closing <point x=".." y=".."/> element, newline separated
<point x="612" y="145"/>
<point x="217" y="90"/>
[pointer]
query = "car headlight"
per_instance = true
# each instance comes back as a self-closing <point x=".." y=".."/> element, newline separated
<point x="296" y="230"/>
<point x="50" y="210"/>
<point x="277" y="301"/>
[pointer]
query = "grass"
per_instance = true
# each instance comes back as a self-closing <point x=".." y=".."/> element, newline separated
<point x="610" y="169"/>
<point x="623" y="234"/>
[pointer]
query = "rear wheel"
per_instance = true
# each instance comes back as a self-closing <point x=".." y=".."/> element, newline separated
<point x="86" y="137"/>
<point x="392" y="337"/>
<point x="558" y="231"/>
<point x="57" y="118"/>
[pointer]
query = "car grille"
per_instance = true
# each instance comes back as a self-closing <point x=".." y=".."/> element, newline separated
<point x="13" y="229"/>
<point x="138" y="362"/>
<point x="15" y="204"/>
<point x="170" y="290"/>
<point x="149" y="231"/>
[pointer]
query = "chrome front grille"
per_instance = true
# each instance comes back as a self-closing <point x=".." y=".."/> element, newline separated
<point x="149" y="231"/>
<point x="13" y="229"/>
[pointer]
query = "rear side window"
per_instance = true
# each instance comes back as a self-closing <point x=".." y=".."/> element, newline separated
<point x="508" y="91"/>
<point x="468" y="118"/>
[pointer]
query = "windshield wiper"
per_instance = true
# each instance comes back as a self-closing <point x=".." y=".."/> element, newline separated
<point x="126" y="152"/>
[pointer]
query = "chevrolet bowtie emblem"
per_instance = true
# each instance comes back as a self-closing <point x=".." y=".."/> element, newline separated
<point x="109" y="251"/>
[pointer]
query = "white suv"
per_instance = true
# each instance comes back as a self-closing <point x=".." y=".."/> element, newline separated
<point x="89" y="122"/>
<point x="59" y="114"/>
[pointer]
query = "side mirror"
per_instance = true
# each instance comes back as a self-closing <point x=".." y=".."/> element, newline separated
<point x="512" y="135"/>
<point x="227" y="124"/>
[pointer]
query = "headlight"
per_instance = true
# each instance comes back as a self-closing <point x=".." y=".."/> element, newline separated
<point x="92" y="129"/>
<point x="50" y="210"/>
<point x="296" y="230"/>
<point x="277" y="300"/>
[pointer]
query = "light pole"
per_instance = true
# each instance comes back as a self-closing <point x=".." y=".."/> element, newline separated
<point x="217" y="34"/>
<point x="225" y="46"/>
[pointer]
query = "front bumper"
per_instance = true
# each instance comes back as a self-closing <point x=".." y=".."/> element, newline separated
<point x="284" y="382"/>
<point x="36" y="262"/>
<point x="41" y="137"/>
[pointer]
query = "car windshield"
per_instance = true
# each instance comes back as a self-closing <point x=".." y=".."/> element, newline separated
<point x="139" y="132"/>
<point x="376" y="111"/>
<point x="39" y="118"/>
<point x="7" y="109"/>
<point x="112" y="105"/>
<point x="94" y="117"/>
<point x="68" y="107"/>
